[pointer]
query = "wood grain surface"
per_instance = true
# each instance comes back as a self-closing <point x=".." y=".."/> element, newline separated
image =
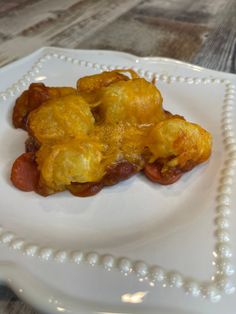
<point x="202" y="32"/>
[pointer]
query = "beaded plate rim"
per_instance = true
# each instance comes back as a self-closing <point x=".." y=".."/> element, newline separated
<point x="220" y="283"/>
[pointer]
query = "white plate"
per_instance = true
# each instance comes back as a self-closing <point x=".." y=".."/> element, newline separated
<point x="127" y="249"/>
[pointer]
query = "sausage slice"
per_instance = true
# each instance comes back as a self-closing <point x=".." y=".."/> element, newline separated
<point x="24" y="173"/>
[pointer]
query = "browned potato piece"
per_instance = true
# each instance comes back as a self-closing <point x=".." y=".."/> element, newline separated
<point x="89" y="86"/>
<point x="179" y="144"/>
<point x="135" y="101"/>
<point x="32" y="98"/>
<point x="94" y="82"/>
<point x="61" y="118"/>
<point x="75" y="161"/>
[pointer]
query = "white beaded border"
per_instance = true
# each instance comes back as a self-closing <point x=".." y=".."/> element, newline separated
<point x="220" y="282"/>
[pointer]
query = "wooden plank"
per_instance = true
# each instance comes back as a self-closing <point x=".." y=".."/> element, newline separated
<point x="175" y="29"/>
<point x="15" y="306"/>
<point x="196" y="12"/>
<point x="10" y="304"/>
<point x="142" y="33"/>
<point x="20" y="18"/>
<point x="92" y="24"/>
<point x="219" y="51"/>
<point x="7" y="6"/>
<point x="62" y="28"/>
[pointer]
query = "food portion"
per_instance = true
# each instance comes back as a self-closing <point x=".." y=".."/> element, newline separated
<point x="59" y="119"/>
<point x="108" y="129"/>
<point x="176" y="146"/>
<point x="136" y="102"/>
<point x="32" y="98"/>
<point x="78" y="160"/>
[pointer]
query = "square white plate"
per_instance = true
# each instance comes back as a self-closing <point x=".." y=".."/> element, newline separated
<point x="139" y="237"/>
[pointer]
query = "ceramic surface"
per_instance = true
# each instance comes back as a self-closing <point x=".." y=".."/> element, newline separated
<point x="127" y="248"/>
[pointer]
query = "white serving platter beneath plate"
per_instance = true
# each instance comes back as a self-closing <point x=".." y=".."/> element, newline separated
<point x="128" y="248"/>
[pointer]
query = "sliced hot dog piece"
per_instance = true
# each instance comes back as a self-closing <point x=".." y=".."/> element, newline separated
<point x="24" y="173"/>
<point x="115" y="174"/>
<point x="85" y="189"/>
<point x="153" y="172"/>
<point x="119" y="172"/>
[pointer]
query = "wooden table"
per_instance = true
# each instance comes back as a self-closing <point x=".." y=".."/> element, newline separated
<point x="202" y="32"/>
